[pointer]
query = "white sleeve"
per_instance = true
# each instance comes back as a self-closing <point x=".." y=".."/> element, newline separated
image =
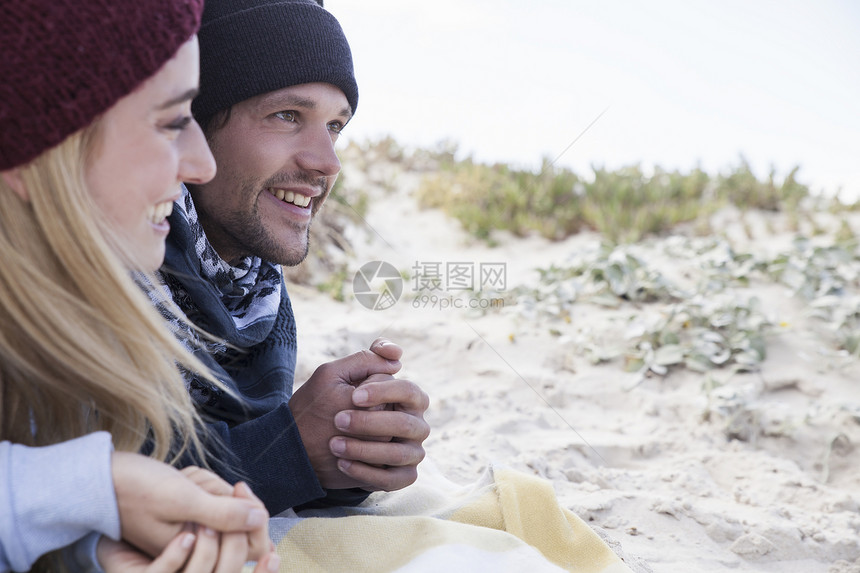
<point x="54" y="495"/>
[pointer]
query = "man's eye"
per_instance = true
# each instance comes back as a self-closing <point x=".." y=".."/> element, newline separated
<point x="286" y="115"/>
<point x="336" y="126"/>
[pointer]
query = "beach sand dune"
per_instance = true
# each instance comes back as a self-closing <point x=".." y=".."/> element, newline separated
<point x="718" y="471"/>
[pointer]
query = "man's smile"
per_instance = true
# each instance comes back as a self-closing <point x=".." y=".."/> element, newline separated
<point x="290" y="197"/>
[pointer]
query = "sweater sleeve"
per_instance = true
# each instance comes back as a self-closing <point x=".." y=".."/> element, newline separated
<point x="54" y="495"/>
<point x="268" y="454"/>
<point x="337" y="498"/>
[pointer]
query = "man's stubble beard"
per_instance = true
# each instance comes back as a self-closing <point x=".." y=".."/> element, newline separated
<point x="268" y="249"/>
<point x="247" y="233"/>
<point x="292" y="262"/>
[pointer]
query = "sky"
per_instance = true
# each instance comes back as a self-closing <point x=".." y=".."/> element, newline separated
<point x="672" y="83"/>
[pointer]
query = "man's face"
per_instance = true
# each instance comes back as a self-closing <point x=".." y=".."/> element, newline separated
<point x="276" y="165"/>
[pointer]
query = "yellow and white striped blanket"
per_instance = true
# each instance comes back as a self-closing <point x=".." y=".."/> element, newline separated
<point x="507" y="521"/>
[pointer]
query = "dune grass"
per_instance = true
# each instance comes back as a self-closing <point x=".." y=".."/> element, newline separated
<point x="623" y="205"/>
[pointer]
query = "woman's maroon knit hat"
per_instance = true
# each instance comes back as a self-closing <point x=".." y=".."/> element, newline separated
<point x="63" y="62"/>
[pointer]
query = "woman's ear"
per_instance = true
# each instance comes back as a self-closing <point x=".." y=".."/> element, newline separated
<point x="12" y="177"/>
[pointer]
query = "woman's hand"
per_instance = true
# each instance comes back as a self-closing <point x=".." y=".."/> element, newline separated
<point x="257" y="541"/>
<point x="204" y="552"/>
<point x="156" y="500"/>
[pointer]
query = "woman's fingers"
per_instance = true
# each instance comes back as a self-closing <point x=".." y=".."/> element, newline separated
<point x="207" y="551"/>
<point x="233" y="553"/>
<point x="120" y="557"/>
<point x="174" y="555"/>
<point x="259" y="543"/>
<point x="207" y="480"/>
<point x="268" y="564"/>
<point x="205" y="555"/>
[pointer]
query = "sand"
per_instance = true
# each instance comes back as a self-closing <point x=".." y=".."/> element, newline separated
<point x="762" y="474"/>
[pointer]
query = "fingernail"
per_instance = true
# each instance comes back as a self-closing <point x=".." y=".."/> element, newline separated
<point x="256" y="518"/>
<point x="343" y="465"/>
<point x="341" y="420"/>
<point x="208" y="531"/>
<point x="188" y="540"/>
<point x="338" y="446"/>
<point x="385" y="343"/>
<point x="360" y="396"/>
<point x="274" y="563"/>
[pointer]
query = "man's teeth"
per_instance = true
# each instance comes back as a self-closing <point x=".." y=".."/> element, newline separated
<point x="290" y="197"/>
<point x="160" y="212"/>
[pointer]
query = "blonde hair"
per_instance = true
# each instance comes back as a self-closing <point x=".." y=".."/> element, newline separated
<point x="81" y="346"/>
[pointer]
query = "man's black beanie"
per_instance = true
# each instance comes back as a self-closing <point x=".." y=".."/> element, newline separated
<point x="251" y="47"/>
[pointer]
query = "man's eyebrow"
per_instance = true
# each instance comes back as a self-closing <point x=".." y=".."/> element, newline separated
<point x="293" y="100"/>
<point x="181" y="98"/>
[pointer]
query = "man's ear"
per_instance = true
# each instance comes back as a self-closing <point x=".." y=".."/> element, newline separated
<point x="12" y="177"/>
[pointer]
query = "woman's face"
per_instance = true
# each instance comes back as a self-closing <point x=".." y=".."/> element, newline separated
<point x="145" y="146"/>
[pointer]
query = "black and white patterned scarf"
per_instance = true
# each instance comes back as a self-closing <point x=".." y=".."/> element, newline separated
<point x="247" y="310"/>
<point x="250" y="291"/>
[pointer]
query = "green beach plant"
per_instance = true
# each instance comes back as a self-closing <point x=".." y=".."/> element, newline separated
<point x="624" y="205"/>
<point x="707" y="327"/>
<point x="740" y="187"/>
<point x="486" y="198"/>
<point x="701" y="334"/>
